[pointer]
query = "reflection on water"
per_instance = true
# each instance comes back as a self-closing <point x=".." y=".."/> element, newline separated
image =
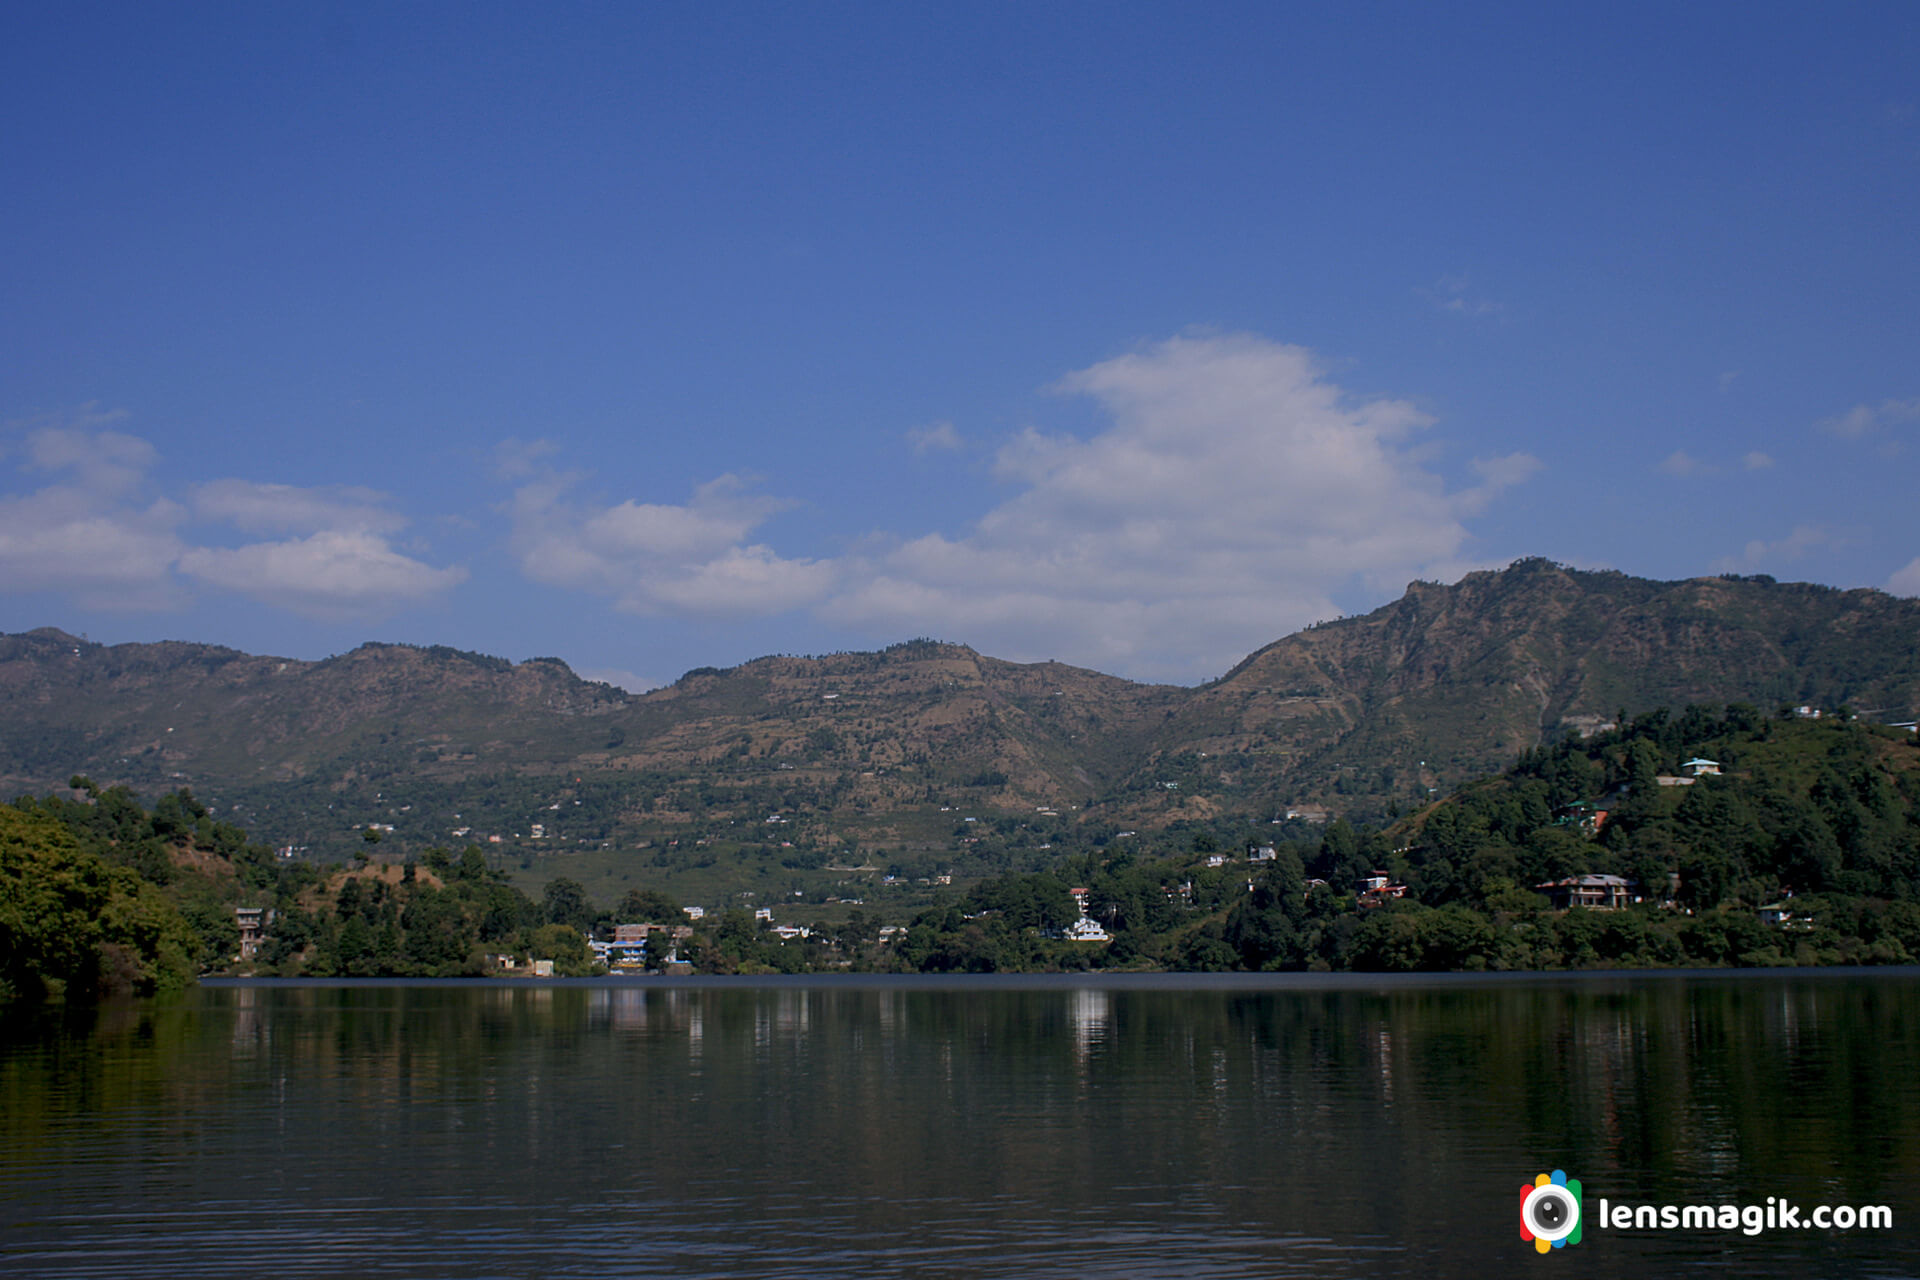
<point x="1088" y="1014"/>
<point x="1147" y="1128"/>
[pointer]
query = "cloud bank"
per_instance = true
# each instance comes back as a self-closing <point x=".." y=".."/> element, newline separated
<point x="1760" y="554"/>
<point x="90" y="532"/>
<point x="1866" y="419"/>
<point x="653" y="559"/>
<point x="1233" y="493"/>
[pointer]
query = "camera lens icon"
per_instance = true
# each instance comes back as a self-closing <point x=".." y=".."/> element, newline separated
<point x="1550" y="1211"/>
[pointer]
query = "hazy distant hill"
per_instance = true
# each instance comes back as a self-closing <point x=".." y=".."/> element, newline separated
<point x="857" y="750"/>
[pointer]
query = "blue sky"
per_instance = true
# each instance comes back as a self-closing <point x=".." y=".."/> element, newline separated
<point x="1131" y="335"/>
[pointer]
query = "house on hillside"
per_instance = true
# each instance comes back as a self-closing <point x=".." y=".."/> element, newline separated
<point x="621" y="955"/>
<point x="253" y="923"/>
<point x="1700" y="767"/>
<point x="1586" y="816"/>
<point x="1377" y="889"/>
<point x="1595" y="892"/>
<point x="1084" y="929"/>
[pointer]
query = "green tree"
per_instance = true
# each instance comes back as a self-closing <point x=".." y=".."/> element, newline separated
<point x="565" y="902"/>
<point x="649" y="906"/>
<point x="566" y="947"/>
<point x="72" y="925"/>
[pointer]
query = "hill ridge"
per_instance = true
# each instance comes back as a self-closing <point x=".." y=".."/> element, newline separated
<point x="1360" y="714"/>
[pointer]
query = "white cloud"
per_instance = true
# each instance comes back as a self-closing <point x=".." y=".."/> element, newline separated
<point x="92" y="534"/>
<point x="1682" y="463"/>
<point x="330" y="574"/>
<point x="284" y="508"/>
<point x="1505" y="472"/>
<point x="1906" y="582"/>
<point x="107" y="462"/>
<point x="520" y="459"/>
<point x="1864" y="419"/>
<point x="1454" y="294"/>
<point x="719" y="516"/>
<point x="62" y="539"/>
<point x="87" y="533"/>
<point x="1235" y="494"/>
<point x="652" y="558"/>
<point x="1759" y="554"/>
<point x="937" y="435"/>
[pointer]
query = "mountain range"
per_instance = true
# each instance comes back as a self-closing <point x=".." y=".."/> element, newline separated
<point x="846" y="753"/>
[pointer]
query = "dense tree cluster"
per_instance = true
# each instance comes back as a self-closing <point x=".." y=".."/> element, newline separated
<point x="73" y="923"/>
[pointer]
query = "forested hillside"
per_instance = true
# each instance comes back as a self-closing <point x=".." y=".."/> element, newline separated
<point x="1817" y="819"/>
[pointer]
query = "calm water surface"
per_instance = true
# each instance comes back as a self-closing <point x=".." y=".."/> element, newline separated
<point x="1000" y="1128"/>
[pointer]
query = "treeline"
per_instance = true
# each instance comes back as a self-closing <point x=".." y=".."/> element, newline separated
<point x="104" y="896"/>
<point x="101" y="895"/>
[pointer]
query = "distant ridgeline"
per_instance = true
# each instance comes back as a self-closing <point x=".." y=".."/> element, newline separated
<point x="864" y="757"/>
<point x="1718" y="836"/>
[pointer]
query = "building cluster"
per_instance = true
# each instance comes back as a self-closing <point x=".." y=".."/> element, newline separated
<point x="635" y="948"/>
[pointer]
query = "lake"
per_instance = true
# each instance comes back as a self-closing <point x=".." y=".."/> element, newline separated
<point x="1162" y="1126"/>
